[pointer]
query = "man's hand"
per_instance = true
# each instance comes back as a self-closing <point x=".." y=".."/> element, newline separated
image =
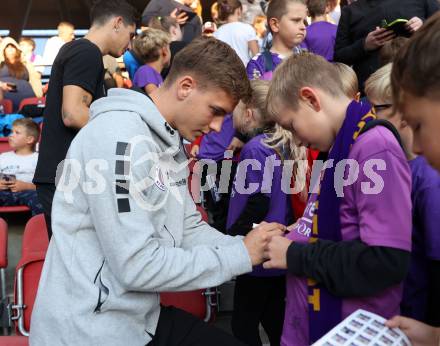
<point x="414" y="24"/>
<point x="276" y="252"/>
<point x="235" y="145"/>
<point x="194" y="150"/>
<point x="180" y="17"/>
<point x="419" y="334"/>
<point x="257" y="239"/>
<point x="18" y="186"/>
<point x="377" y="38"/>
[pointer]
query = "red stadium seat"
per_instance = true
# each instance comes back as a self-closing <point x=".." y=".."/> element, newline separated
<point x="28" y="272"/>
<point x="4" y="145"/>
<point x="32" y="101"/>
<point x="8" y="106"/>
<point x="14" y="341"/>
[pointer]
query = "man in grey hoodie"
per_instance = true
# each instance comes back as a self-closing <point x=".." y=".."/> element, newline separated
<point x="124" y="224"/>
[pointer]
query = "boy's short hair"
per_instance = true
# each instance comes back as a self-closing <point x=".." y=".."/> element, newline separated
<point x="148" y="43"/>
<point x="103" y="10"/>
<point x="317" y="7"/>
<point x="378" y="85"/>
<point x="65" y="25"/>
<point x="31" y="128"/>
<point x="298" y="71"/>
<point x="416" y="67"/>
<point x="29" y="41"/>
<point x="350" y="82"/>
<point x="212" y="63"/>
<point x="278" y="8"/>
<point x="389" y="50"/>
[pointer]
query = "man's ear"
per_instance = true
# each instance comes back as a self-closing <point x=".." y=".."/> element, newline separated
<point x="117" y="23"/>
<point x="310" y="97"/>
<point x="185" y="85"/>
<point x="274" y="24"/>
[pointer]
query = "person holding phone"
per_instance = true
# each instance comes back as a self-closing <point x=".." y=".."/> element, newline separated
<point x="17" y="167"/>
<point x="360" y="36"/>
<point x="187" y="18"/>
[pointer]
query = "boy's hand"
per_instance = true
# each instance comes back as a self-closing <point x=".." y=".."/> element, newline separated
<point x="18" y="186"/>
<point x="420" y="334"/>
<point x="194" y="150"/>
<point x="377" y="38"/>
<point x="4" y="185"/>
<point x="257" y="239"/>
<point x="276" y="252"/>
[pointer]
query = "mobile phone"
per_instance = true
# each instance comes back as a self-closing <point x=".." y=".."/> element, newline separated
<point x="10" y="178"/>
<point x="12" y="86"/>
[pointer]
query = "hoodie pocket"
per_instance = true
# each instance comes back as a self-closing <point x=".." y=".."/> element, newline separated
<point x="103" y="290"/>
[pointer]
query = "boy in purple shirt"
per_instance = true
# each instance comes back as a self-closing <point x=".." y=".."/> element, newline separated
<point x="421" y="285"/>
<point x="258" y="195"/>
<point x="285" y="19"/>
<point x="154" y="48"/>
<point x="415" y="91"/>
<point x="321" y="34"/>
<point x="352" y="246"/>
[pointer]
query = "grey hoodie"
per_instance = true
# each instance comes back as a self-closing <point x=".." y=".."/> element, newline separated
<point x="124" y="228"/>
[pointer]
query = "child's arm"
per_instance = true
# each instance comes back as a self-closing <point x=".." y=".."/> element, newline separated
<point x="149" y="88"/>
<point x="253" y="47"/>
<point x="349" y="268"/>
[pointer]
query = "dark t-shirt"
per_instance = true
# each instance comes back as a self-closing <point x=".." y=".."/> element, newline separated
<point x="77" y="63"/>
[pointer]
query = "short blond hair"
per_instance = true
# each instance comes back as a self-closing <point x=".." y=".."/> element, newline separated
<point x="148" y="43"/>
<point x="299" y="71"/>
<point x="350" y="83"/>
<point x="378" y="86"/>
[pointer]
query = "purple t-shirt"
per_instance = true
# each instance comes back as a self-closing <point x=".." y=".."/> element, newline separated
<point x="381" y="219"/>
<point x="256" y="66"/>
<point x="263" y="174"/>
<point x="214" y="144"/>
<point x="147" y="75"/>
<point x="425" y="197"/>
<point x="320" y="39"/>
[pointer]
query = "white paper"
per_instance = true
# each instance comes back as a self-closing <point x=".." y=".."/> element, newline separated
<point x="363" y="328"/>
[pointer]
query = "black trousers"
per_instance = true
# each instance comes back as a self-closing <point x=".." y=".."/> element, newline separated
<point x="258" y="300"/>
<point x="45" y="194"/>
<point x="178" y="327"/>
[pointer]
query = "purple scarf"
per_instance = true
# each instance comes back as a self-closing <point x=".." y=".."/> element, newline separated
<point x="325" y="310"/>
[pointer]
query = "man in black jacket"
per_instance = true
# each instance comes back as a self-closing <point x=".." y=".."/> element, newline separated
<point x="360" y="37"/>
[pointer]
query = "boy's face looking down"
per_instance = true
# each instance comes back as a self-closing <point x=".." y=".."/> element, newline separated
<point x="291" y="28"/>
<point x="423" y="115"/>
<point x="201" y="109"/>
<point x="312" y="127"/>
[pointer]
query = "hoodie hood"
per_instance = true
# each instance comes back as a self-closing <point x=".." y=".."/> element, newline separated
<point x="4" y="43"/>
<point x="126" y="100"/>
